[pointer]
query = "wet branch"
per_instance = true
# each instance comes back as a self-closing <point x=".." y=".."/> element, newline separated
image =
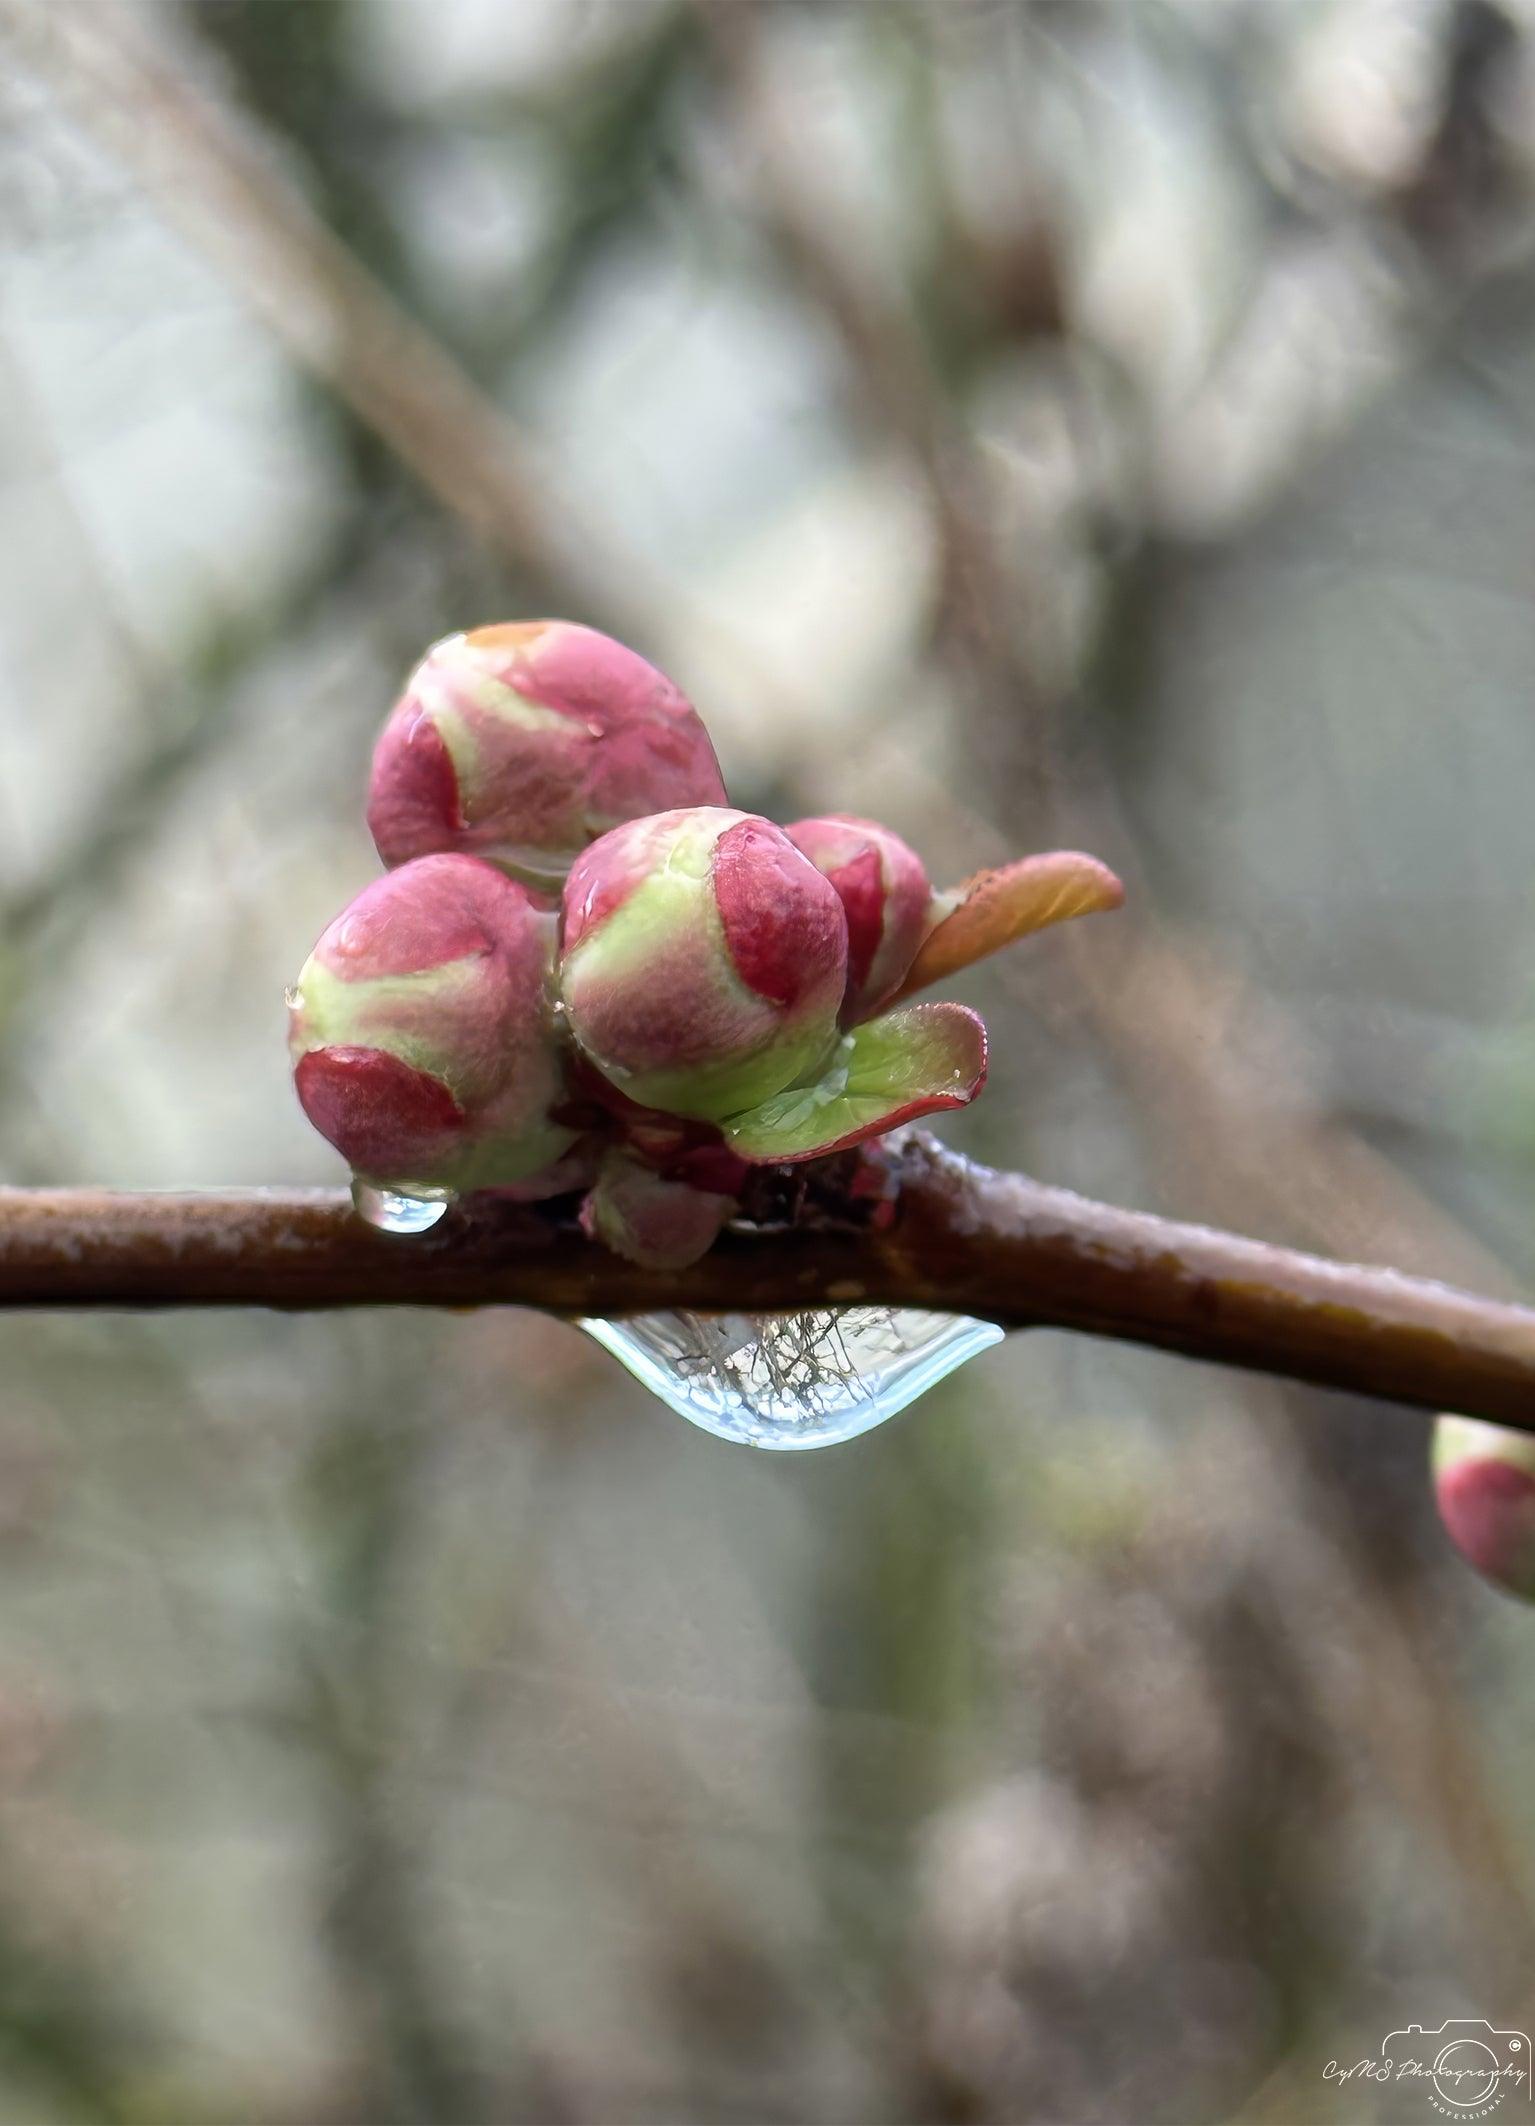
<point x="963" y="1239"/>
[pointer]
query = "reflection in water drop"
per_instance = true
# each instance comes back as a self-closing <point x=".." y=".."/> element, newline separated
<point x="393" y="1212"/>
<point x="791" y="1381"/>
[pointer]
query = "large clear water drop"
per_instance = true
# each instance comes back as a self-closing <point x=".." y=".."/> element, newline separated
<point x="793" y="1381"/>
<point x="392" y="1211"/>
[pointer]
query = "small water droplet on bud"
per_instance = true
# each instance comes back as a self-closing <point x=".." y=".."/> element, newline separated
<point x="392" y="1211"/>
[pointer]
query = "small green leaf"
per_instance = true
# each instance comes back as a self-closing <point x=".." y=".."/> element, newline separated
<point x="906" y="1063"/>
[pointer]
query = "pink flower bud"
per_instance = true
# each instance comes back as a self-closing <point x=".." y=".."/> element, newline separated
<point x="522" y="743"/>
<point x="646" y="1218"/>
<point x="1484" y="1485"/>
<point x="883" y="887"/>
<point x="422" y="1030"/>
<point x="703" y="962"/>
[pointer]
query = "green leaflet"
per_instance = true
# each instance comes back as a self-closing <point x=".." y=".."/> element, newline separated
<point x="909" y="1062"/>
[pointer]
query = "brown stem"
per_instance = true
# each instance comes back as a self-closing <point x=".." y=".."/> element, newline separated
<point x="964" y="1239"/>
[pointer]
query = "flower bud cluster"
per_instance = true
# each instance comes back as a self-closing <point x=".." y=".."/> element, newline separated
<point x="583" y="970"/>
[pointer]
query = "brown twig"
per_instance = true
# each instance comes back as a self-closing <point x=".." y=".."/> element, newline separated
<point x="964" y="1239"/>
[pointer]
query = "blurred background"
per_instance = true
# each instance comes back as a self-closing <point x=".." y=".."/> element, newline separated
<point x="1104" y="422"/>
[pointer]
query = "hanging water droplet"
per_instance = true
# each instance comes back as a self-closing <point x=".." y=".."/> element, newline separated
<point x="393" y="1211"/>
<point x="792" y="1381"/>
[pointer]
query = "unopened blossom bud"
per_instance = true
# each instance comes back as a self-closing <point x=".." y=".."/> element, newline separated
<point x="646" y="1218"/>
<point x="1484" y="1485"/>
<point x="422" y="1030"/>
<point x="883" y="887"/>
<point x="703" y="961"/>
<point x="522" y="743"/>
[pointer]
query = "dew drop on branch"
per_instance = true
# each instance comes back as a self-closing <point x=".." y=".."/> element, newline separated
<point x="793" y="1381"/>
<point x="393" y="1211"/>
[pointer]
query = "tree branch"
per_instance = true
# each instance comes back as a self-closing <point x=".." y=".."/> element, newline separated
<point x="963" y="1239"/>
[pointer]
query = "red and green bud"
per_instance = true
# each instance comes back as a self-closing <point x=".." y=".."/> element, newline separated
<point x="648" y="1218"/>
<point x="1484" y="1486"/>
<point x="883" y="887"/>
<point x="422" y="1031"/>
<point x="522" y="743"/>
<point x="704" y="961"/>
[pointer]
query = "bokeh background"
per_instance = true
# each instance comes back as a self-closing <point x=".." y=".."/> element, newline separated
<point x="1106" y="422"/>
